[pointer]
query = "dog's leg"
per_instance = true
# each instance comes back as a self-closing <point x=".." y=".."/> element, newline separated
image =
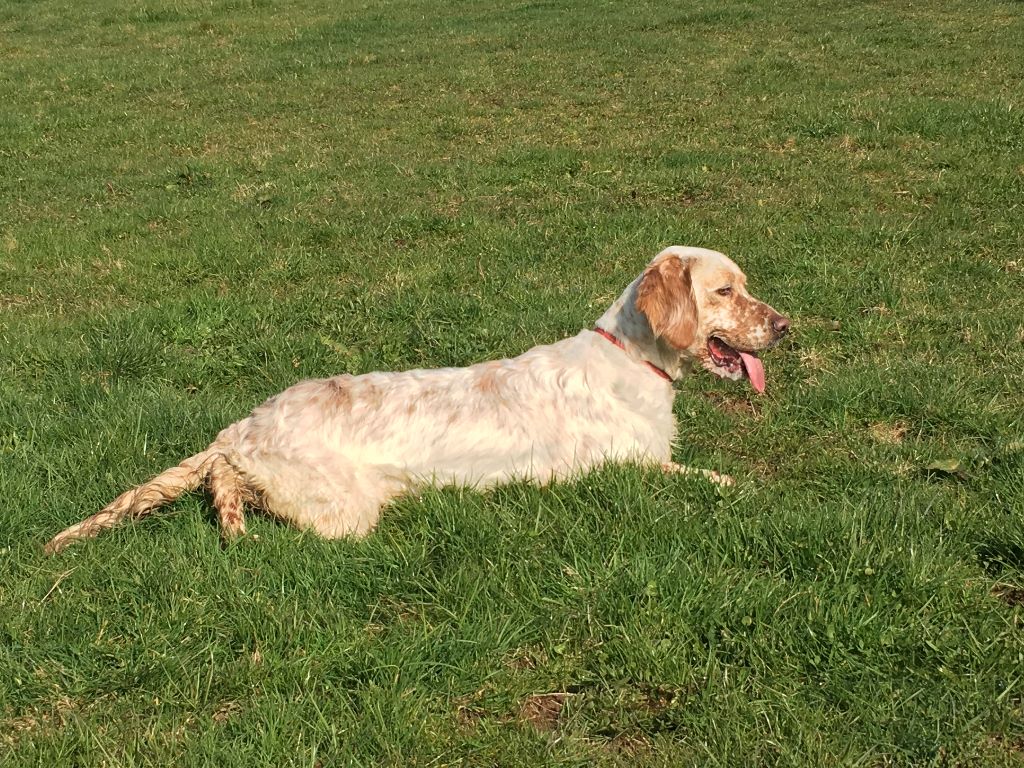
<point x="226" y="489"/>
<point x="344" y="502"/>
<point x="353" y="513"/>
<point x="718" y="478"/>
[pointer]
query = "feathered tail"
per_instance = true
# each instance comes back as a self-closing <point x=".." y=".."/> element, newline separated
<point x="139" y="501"/>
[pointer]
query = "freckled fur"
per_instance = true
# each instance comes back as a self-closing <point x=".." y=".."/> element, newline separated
<point x="328" y="454"/>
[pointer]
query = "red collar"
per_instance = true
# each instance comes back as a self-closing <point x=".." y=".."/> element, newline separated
<point x="620" y="345"/>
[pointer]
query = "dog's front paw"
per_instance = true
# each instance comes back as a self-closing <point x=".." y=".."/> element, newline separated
<point x="718" y="478"/>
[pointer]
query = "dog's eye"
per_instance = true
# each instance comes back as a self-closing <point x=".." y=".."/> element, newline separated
<point x="726" y="291"/>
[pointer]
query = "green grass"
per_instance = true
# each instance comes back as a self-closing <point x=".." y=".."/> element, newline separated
<point x="202" y="202"/>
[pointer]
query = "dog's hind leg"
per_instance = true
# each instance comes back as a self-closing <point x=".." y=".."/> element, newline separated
<point x="228" y="494"/>
<point x="343" y="502"/>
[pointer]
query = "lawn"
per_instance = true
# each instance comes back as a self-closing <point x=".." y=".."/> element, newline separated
<point x="204" y="202"/>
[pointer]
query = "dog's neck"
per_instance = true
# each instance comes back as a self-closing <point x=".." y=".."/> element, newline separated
<point x="629" y="325"/>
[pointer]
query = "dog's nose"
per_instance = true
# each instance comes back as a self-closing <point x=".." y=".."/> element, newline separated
<point x="780" y="324"/>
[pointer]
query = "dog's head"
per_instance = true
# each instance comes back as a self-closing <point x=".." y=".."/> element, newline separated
<point x="696" y="304"/>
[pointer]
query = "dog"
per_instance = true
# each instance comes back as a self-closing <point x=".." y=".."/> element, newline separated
<point x="328" y="454"/>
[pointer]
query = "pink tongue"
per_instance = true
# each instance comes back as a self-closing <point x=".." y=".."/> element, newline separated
<point x="755" y="370"/>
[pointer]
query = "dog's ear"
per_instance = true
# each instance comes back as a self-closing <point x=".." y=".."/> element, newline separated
<point x="665" y="296"/>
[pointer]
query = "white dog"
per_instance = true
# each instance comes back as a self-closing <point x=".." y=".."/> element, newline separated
<point x="327" y="454"/>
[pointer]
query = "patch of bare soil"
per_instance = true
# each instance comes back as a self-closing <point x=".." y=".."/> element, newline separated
<point x="543" y="710"/>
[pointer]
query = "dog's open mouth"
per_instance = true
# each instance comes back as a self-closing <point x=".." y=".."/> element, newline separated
<point x="737" y="363"/>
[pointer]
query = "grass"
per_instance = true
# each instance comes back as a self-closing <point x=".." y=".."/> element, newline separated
<point x="203" y="202"/>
